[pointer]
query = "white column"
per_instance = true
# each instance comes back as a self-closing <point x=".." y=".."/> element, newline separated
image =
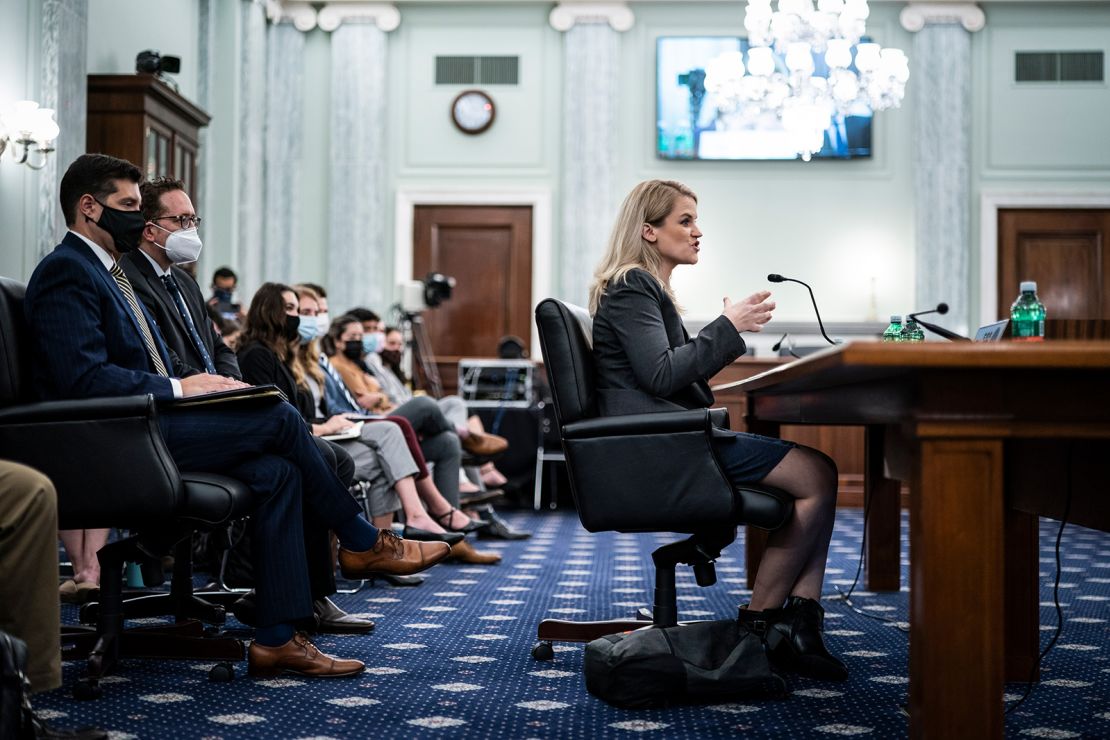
<point x="282" y="150"/>
<point x="591" y="53"/>
<point x="359" y="258"/>
<point x="205" y="29"/>
<point x="64" y="87"/>
<point x="941" y="84"/>
<point x="248" y="262"/>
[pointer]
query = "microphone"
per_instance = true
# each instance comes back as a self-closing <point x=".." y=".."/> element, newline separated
<point x="776" y="278"/>
<point x="789" y="347"/>
<point x="942" y="308"/>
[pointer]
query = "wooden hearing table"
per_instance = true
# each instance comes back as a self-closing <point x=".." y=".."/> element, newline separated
<point x="990" y="437"/>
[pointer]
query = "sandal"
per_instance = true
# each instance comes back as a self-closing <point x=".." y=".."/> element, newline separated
<point x="444" y="520"/>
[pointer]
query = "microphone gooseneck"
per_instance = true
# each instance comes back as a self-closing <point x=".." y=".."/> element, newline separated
<point x="942" y="308"/>
<point x="776" y="278"/>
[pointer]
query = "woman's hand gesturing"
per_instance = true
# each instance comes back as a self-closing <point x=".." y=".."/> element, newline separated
<point x="751" y="313"/>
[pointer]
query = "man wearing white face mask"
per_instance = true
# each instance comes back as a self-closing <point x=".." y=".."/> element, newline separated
<point x="170" y="238"/>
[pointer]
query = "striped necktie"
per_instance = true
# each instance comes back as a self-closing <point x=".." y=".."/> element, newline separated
<point x="148" y="337"/>
<point x="334" y="375"/>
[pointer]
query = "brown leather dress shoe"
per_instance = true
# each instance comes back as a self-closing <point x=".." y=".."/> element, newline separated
<point x="298" y="656"/>
<point x="392" y="555"/>
<point x="464" y="552"/>
<point x="484" y="444"/>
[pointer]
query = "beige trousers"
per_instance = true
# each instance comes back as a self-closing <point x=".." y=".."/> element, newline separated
<point x="29" y="570"/>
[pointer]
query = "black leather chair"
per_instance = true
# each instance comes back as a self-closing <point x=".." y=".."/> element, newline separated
<point x="642" y="473"/>
<point x="111" y="468"/>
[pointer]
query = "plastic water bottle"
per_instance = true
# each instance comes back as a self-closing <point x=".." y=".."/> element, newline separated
<point x="911" y="332"/>
<point x="894" y="331"/>
<point x="1027" y="315"/>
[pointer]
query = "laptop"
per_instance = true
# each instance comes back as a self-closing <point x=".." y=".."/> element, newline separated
<point x="992" y="332"/>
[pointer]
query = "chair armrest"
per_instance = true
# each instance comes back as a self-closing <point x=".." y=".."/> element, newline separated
<point x="85" y="409"/>
<point x="719" y="417"/>
<point x="694" y="420"/>
<point x="106" y="458"/>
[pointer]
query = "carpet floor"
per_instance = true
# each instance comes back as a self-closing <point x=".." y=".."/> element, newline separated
<point x="451" y="658"/>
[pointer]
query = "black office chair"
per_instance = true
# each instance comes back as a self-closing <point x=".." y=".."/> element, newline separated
<point x="639" y="473"/>
<point x="111" y="468"/>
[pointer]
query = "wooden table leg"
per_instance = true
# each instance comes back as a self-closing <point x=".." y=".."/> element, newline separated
<point x="882" y="502"/>
<point x="956" y="590"/>
<point x="1023" y="611"/>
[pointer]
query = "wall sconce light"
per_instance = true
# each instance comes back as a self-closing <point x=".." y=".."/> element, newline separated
<point x="26" y="127"/>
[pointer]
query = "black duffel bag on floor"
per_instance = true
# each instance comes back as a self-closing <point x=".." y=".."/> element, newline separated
<point x="697" y="662"/>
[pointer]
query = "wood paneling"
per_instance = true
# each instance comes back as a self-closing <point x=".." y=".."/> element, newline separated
<point x="141" y="119"/>
<point x="842" y="444"/>
<point x="1065" y="251"/>
<point x="488" y="250"/>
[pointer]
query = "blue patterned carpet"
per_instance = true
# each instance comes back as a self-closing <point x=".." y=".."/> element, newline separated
<point x="452" y="657"/>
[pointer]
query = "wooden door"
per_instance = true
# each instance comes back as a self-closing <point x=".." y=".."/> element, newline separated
<point x="488" y="250"/>
<point x="1065" y="251"/>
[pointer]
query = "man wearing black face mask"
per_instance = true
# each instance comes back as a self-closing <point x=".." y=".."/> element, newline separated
<point x="92" y="338"/>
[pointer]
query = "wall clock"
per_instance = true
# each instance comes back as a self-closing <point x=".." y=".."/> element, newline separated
<point x="473" y="111"/>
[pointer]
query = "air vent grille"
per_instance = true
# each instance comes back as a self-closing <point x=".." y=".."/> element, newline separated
<point x="454" y="70"/>
<point x="1059" y="66"/>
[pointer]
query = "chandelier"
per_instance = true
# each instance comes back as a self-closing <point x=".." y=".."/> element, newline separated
<point x="24" y="124"/>
<point x="801" y="68"/>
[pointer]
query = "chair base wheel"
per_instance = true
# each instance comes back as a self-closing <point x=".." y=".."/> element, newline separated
<point x="223" y="672"/>
<point x="87" y="689"/>
<point x="543" y="651"/>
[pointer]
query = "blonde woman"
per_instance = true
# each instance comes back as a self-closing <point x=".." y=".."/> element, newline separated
<point x="647" y="363"/>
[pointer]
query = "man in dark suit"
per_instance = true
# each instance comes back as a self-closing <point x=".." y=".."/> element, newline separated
<point x="169" y="293"/>
<point x="91" y="337"/>
<point x="172" y="297"/>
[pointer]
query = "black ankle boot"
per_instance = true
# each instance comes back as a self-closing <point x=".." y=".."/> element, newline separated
<point x="794" y="641"/>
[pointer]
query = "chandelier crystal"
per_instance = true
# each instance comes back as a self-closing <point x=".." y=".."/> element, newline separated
<point x="801" y="69"/>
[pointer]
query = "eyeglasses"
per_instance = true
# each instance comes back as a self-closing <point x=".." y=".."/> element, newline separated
<point x="186" y="222"/>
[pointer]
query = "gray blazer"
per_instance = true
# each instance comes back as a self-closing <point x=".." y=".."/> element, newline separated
<point x="645" y="360"/>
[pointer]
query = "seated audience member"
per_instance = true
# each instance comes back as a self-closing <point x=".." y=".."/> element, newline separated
<point x="399" y="446"/>
<point x="91" y="337"/>
<point x="169" y="239"/>
<point x="29" y="561"/>
<point x="81" y="546"/>
<point x="228" y="329"/>
<point x="474" y="439"/>
<point x="439" y="440"/>
<point x="224" y="283"/>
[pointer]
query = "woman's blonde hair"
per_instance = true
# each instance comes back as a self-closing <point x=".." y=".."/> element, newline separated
<point x="649" y="203"/>
<point x="306" y="357"/>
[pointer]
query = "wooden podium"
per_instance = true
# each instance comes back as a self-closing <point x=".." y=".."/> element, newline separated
<point x="989" y="437"/>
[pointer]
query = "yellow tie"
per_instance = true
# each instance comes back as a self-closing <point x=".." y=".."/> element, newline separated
<point x="148" y="338"/>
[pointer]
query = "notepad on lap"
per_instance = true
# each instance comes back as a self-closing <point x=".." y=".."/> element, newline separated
<point x="353" y="433"/>
<point x="250" y="394"/>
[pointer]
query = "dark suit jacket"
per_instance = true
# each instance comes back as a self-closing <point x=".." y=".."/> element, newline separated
<point x="85" y="340"/>
<point x="152" y="291"/>
<point x="645" y="360"/>
<point x="262" y="366"/>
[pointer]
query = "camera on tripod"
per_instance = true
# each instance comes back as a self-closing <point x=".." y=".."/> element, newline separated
<point x="415" y="297"/>
<point x="418" y="295"/>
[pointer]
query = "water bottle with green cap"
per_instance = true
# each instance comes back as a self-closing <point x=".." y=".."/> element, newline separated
<point x="894" y="331"/>
<point x="1027" y="315"/>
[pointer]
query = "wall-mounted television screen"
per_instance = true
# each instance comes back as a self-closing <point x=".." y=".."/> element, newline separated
<point x="691" y="125"/>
